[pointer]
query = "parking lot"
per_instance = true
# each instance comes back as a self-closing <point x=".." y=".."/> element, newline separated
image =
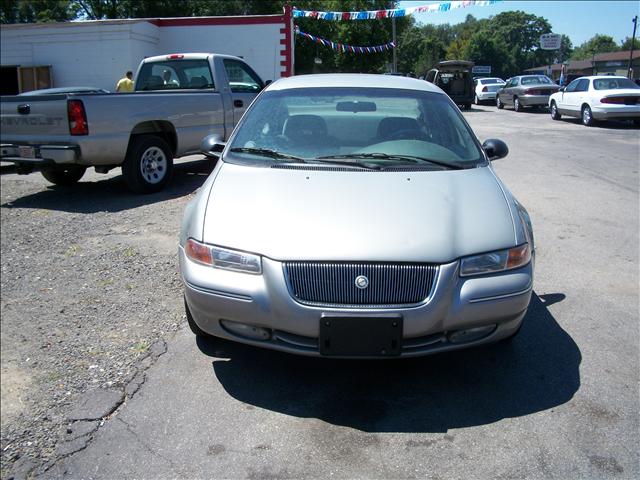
<point x="91" y="298"/>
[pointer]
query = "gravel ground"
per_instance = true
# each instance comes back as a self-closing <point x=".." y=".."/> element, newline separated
<point x="90" y="288"/>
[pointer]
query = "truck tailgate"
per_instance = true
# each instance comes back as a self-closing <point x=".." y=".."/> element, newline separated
<point x="33" y="118"/>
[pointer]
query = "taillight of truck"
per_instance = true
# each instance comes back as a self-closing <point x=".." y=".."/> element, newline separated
<point x="77" y="118"/>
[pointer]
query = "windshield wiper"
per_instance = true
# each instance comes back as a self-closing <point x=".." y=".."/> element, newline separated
<point x="406" y="158"/>
<point x="266" y="152"/>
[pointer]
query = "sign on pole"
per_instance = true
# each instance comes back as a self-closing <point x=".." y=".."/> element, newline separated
<point x="481" y="69"/>
<point x="550" y="41"/>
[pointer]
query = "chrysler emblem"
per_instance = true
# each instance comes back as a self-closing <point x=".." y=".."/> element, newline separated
<point x="362" y="282"/>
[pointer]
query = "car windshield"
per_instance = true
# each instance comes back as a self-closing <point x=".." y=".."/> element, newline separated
<point x="613" y="83"/>
<point x="350" y="125"/>
<point x="535" y="79"/>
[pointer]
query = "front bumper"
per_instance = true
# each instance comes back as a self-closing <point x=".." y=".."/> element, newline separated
<point x="264" y="301"/>
<point x="534" y="100"/>
<point x="42" y="154"/>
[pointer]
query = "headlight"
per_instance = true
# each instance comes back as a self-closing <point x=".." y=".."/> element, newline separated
<point x="223" y="257"/>
<point x="496" y="261"/>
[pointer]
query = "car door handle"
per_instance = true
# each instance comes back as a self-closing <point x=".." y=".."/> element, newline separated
<point x="24" y="109"/>
<point x="238" y="103"/>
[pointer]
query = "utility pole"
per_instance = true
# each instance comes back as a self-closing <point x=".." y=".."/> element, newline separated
<point x="633" y="39"/>
<point x="395" y="56"/>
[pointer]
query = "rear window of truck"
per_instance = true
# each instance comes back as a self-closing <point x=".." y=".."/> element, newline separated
<point x="174" y="75"/>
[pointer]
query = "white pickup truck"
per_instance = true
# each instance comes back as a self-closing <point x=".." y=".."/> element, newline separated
<point x="178" y="100"/>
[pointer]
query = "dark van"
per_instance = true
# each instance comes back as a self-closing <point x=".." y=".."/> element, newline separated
<point x="455" y="78"/>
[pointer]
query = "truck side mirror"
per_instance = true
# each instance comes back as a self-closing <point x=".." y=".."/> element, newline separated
<point x="212" y="146"/>
<point x="495" y="148"/>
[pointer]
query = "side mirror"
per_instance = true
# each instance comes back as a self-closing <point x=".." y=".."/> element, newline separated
<point x="212" y="146"/>
<point x="495" y="149"/>
<point x="561" y="89"/>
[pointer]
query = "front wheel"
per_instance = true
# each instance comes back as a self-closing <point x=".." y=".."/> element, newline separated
<point x="66" y="176"/>
<point x="555" y="115"/>
<point x="516" y="105"/>
<point x="499" y="104"/>
<point x="587" y="116"/>
<point x="148" y="165"/>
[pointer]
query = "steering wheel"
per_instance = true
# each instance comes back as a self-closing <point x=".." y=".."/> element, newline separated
<point x="407" y="134"/>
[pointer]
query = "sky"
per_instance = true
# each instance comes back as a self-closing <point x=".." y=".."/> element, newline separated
<point x="580" y="20"/>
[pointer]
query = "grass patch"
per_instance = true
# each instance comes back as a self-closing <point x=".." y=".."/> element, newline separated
<point x="141" y="347"/>
<point x="72" y="251"/>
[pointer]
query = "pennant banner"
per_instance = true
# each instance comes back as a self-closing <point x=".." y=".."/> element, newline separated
<point x="341" y="47"/>
<point x="394" y="12"/>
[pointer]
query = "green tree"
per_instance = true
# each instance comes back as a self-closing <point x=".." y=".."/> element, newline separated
<point x="626" y="44"/>
<point x="596" y="44"/>
<point x="29" y="11"/>
<point x="485" y="49"/>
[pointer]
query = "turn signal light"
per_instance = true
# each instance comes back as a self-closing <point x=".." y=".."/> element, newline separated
<point x="518" y="256"/>
<point x="198" y="252"/>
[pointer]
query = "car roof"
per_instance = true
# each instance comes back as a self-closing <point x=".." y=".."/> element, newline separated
<point x="364" y="80"/>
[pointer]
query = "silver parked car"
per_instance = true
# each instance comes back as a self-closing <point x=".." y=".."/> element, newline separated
<point x="526" y="91"/>
<point x="355" y="216"/>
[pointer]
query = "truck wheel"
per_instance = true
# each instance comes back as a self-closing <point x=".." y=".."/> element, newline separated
<point x="67" y="176"/>
<point x="148" y="164"/>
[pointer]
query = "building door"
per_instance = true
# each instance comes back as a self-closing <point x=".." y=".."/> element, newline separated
<point x="9" y="81"/>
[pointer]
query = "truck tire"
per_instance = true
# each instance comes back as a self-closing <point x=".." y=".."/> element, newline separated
<point x="148" y="165"/>
<point x="67" y="176"/>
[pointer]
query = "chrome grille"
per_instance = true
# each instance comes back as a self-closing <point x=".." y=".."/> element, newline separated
<point x="333" y="283"/>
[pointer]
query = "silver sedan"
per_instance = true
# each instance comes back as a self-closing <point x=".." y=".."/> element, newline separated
<point x="355" y="216"/>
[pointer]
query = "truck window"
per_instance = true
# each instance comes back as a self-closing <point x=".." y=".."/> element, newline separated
<point x="175" y="74"/>
<point x="241" y="78"/>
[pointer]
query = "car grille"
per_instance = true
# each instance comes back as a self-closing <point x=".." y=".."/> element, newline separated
<point x="334" y="283"/>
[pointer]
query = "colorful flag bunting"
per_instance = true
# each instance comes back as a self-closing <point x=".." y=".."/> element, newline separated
<point x="395" y="12"/>
<point x="341" y="47"/>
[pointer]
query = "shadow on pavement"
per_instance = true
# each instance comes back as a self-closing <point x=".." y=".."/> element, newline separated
<point x="606" y="125"/>
<point x="111" y="194"/>
<point x="537" y="371"/>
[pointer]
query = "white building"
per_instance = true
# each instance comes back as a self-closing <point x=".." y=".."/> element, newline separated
<point x="98" y="53"/>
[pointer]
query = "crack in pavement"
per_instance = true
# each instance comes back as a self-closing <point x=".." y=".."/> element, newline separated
<point x="136" y="381"/>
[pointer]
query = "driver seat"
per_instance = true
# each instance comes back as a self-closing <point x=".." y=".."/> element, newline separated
<point x="390" y="126"/>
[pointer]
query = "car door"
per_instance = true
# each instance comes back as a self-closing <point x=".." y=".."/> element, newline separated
<point x="573" y="99"/>
<point x="244" y="85"/>
<point x="506" y="94"/>
<point x="565" y="95"/>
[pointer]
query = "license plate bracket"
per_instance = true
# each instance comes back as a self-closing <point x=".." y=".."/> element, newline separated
<point x="371" y="336"/>
<point x="27" y="152"/>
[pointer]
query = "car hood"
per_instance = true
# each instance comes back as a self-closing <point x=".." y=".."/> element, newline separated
<point x="305" y="214"/>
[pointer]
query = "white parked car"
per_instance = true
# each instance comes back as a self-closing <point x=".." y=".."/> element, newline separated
<point x="597" y="98"/>
<point x="486" y="88"/>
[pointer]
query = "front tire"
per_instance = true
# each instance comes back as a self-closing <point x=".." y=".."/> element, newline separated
<point x="587" y="116"/>
<point x="499" y="104"/>
<point x="67" y="176"/>
<point x="516" y="105"/>
<point x="148" y="165"/>
<point x="555" y="115"/>
<point x="197" y="331"/>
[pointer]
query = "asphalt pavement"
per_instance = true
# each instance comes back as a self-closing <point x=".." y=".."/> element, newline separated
<point x="561" y="402"/>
